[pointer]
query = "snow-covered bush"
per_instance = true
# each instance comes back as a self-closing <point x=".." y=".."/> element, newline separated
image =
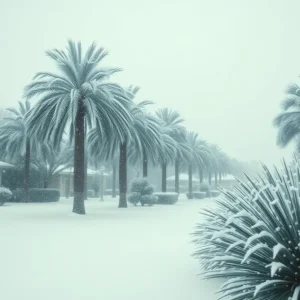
<point x="205" y="187"/>
<point x="141" y="192"/>
<point x="5" y="195"/>
<point x="252" y="238"/>
<point x="199" y="195"/>
<point x="166" y="198"/>
<point x="43" y="195"/>
<point x="214" y="193"/>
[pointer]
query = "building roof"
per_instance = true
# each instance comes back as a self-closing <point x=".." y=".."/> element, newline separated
<point x="4" y="165"/>
<point x="182" y="177"/>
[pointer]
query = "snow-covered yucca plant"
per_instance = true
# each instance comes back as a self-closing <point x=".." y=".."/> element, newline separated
<point x="252" y="238"/>
<point x="5" y="195"/>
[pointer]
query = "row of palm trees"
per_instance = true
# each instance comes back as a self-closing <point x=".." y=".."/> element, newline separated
<point x="81" y="106"/>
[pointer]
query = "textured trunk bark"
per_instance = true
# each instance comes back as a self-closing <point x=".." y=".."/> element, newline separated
<point x="164" y="178"/>
<point x="78" y="203"/>
<point x="85" y="195"/>
<point x="114" y="194"/>
<point x="209" y="178"/>
<point x="220" y="178"/>
<point x="177" y="176"/>
<point x="190" y="195"/>
<point x="123" y="175"/>
<point x="216" y="179"/>
<point x="27" y="170"/>
<point x="145" y="164"/>
<point x="201" y="175"/>
<point x="68" y="186"/>
<point x="46" y="184"/>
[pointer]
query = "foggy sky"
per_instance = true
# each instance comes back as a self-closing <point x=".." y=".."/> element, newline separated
<point x="222" y="64"/>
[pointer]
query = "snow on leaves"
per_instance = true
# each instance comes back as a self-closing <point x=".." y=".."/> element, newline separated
<point x="252" y="238"/>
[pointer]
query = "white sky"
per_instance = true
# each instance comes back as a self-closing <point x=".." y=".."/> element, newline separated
<point x="222" y="64"/>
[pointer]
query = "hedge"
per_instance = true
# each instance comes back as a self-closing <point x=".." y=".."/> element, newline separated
<point x="215" y="193"/>
<point x="43" y="195"/>
<point x="166" y="198"/>
<point x="199" y="195"/>
<point x="5" y="195"/>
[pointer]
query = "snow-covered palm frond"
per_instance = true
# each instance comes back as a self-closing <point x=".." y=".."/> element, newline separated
<point x="80" y="79"/>
<point x="251" y="238"/>
<point x="288" y="124"/>
<point x="172" y="122"/>
<point x="13" y="133"/>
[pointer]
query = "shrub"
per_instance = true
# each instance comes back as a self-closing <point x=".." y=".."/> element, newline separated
<point x="141" y="192"/>
<point x="43" y="195"/>
<point x="17" y="195"/>
<point x="134" y="197"/>
<point x="148" y="199"/>
<point x="5" y="195"/>
<point x="205" y="187"/>
<point x="214" y="193"/>
<point x="199" y="195"/>
<point x="166" y="198"/>
<point x="251" y="238"/>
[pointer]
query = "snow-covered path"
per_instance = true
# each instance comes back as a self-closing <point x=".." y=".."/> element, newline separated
<point x="139" y="253"/>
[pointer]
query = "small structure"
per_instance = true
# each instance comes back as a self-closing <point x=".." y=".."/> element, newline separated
<point x="182" y="177"/>
<point x="4" y="166"/>
<point x="64" y="180"/>
<point x="183" y="182"/>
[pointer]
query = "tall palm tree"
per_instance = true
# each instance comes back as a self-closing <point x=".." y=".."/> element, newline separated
<point x="79" y="92"/>
<point x="288" y="121"/>
<point x="199" y="155"/>
<point x="14" y="139"/>
<point x="142" y="143"/>
<point x="148" y="142"/>
<point x="172" y="123"/>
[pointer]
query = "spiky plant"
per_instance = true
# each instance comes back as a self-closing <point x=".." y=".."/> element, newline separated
<point x="252" y="238"/>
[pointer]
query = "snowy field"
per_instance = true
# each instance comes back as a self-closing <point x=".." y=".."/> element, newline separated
<point x="139" y="253"/>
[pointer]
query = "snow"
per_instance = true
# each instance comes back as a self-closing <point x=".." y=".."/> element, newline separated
<point x="136" y="253"/>
<point x="182" y="177"/>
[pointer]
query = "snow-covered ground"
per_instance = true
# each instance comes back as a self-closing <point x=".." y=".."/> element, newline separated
<point x="139" y="253"/>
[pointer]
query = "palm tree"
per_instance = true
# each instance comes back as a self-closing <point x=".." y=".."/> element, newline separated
<point x="143" y="141"/>
<point x="148" y="141"/>
<point x="79" y="92"/>
<point x="14" y="139"/>
<point x="288" y="121"/>
<point x="199" y="155"/>
<point x="172" y="123"/>
<point x="51" y="161"/>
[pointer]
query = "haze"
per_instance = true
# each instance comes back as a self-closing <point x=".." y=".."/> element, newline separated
<point x="222" y="64"/>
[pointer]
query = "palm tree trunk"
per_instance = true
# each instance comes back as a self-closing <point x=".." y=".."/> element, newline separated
<point x="201" y="175"/>
<point x="145" y="164"/>
<point x="220" y="178"/>
<point x="216" y="179"/>
<point x="209" y="178"/>
<point x="123" y="175"/>
<point x="164" y="177"/>
<point x="78" y="203"/>
<point x="46" y="183"/>
<point x="68" y="185"/>
<point x="27" y="170"/>
<point x="177" y="176"/>
<point x="114" y="175"/>
<point x="85" y="166"/>
<point x="190" y="194"/>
